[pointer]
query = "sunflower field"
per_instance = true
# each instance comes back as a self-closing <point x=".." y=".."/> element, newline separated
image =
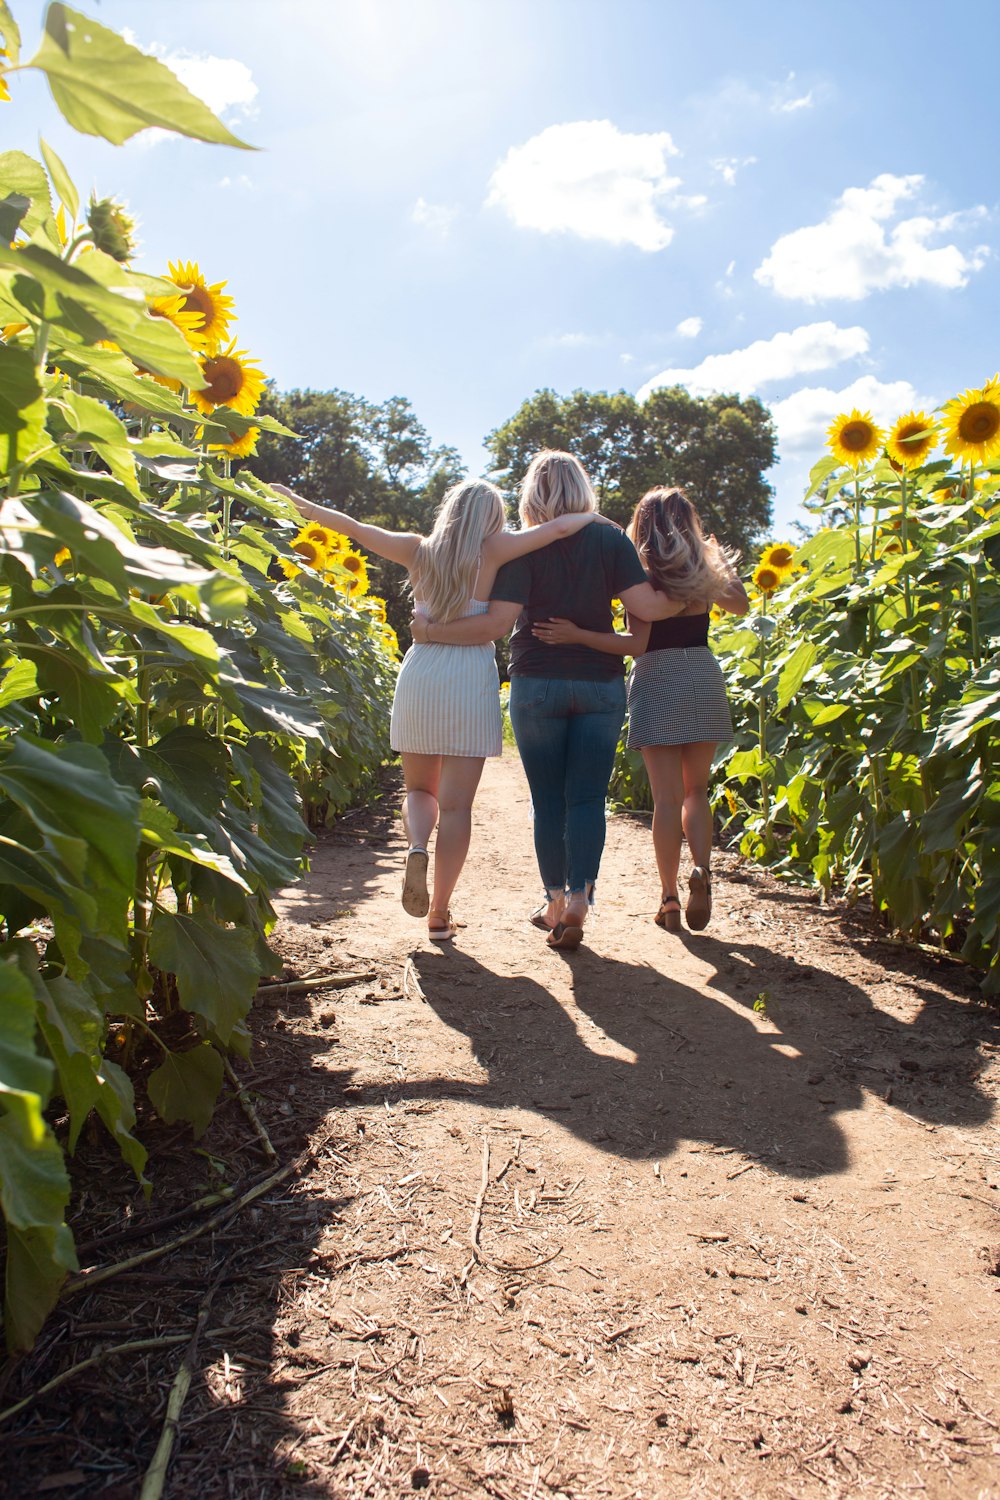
<point x="865" y="683"/>
<point x="186" y="671"/>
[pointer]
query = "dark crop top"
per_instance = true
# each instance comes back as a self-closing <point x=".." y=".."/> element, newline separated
<point x="680" y="630"/>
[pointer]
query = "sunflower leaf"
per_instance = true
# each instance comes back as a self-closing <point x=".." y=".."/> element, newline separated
<point x="61" y="180"/>
<point x="106" y="87"/>
<point x="9" y="34"/>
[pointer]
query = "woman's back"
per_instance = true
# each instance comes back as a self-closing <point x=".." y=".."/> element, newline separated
<point x="576" y="578"/>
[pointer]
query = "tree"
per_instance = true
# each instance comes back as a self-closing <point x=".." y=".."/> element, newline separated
<point x="716" y="449"/>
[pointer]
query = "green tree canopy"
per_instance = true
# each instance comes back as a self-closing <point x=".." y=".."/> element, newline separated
<point x="716" y="448"/>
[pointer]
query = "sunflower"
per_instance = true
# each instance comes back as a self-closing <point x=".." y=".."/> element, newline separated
<point x="732" y="802"/>
<point x="910" y="441"/>
<point x="241" y="444"/>
<point x="175" y="311"/>
<point x="4" y="90"/>
<point x="854" y="439"/>
<point x="894" y="518"/>
<point x="11" y="331"/>
<point x="357" y="570"/>
<point x="311" y="552"/>
<point x="230" y="380"/>
<point x="767" y="578"/>
<point x="390" y="640"/>
<point x="715" y="614"/>
<point x="376" y="608"/>
<point x="780" y="556"/>
<point x="62" y="557"/>
<point x="972" y="428"/>
<point x="215" y="310"/>
<point x="330" y="541"/>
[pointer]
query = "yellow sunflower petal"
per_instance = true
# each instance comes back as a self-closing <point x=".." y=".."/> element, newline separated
<point x="242" y="445"/>
<point x="230" y="380"/>
<point x="913" y="436"/>
<point x="780" y="556"/>
<point x="766" y="578"/>
<point x="972" y="424"/>
<point x="207" y="301"/>
<point x="175" y="310"/>
<point x="854" y="439"/>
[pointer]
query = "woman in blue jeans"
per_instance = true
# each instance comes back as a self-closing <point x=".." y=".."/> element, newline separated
<point x="567" y="702"/>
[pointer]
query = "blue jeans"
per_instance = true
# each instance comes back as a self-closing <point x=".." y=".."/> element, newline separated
<point x="567" y="731"/>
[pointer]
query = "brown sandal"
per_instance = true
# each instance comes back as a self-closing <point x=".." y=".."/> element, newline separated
<point x="669" y="915"/>
<point x="566" y="936"/>
<point x="699" y="907"/>
<point x="415" y="898"/>
<point x="440" y="926"/>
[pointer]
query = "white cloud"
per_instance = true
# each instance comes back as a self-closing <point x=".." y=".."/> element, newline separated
<point x="785" y="101"/>
<point x="242" y="181"/>
<point x="803" y="418"/>
<point x="569" y="341"/>
<point x="728" y="166"/>
<point x="590" y="179"/>
<point x="856" y="249"/>
<point x="689" y="328"/>
<point x="814" y="346"/>
<point x="436" y="217"/>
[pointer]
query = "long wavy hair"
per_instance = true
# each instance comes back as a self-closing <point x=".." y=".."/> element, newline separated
<point x="444" y="569"/>
<point x="667" y="533"/>
<point x="556" y="484"/>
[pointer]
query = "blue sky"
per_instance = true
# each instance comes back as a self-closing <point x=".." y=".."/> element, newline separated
<point x="461" y="202"/>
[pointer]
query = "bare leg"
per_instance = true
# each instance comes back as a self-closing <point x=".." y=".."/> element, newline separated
<point x="696" y="760"/>
<point x="663" y="767"/>
<point x="421" y="776"/>
<point x="459" y="782"/>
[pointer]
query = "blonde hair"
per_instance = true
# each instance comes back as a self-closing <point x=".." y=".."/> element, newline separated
<point x="679" y="558"/>
<point x="447" y="561"/>
<point x="556" y="484"/>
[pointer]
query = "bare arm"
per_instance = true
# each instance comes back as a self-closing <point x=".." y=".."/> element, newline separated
<point x="506" y="545"/>
<point x="649" y="603"/>
<point x="734" y="600"/>
<point x="630" y="642"/>
<point x="471" y="630"/>
<point x="397" y="546"/>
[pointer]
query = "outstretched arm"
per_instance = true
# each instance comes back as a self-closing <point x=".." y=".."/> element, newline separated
<point x="397" y="546"/>
<point x="504" y="546"/>
<point x="630" y="642"/>
<point x="471" y="630"/>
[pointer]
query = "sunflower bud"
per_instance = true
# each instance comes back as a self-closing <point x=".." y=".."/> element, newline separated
<point x="112" y="229"/>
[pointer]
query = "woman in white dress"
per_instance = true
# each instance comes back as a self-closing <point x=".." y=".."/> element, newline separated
<point x="446" y="708"/>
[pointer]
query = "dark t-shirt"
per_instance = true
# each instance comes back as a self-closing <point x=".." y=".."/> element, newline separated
<point x="576" y="579"/>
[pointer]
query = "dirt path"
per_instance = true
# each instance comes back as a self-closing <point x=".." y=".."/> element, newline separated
<point x="612" y="1232"/>
<point x="582" y="1225"/>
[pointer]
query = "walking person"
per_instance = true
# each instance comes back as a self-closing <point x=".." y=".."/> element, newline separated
<point x="446" y="707"/>
<point x="567" y="701"/>
<point x="677" y="705"/>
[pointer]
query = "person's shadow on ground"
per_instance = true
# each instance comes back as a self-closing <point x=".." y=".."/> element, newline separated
<point x="697" y="1069"/>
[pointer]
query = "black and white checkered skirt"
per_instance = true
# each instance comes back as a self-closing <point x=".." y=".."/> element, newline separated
<point x="675" y="697"/>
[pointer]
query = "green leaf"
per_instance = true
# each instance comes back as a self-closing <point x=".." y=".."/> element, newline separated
<point x="23" y="175"/>
<point x="22" y="408"/>
<point x="38" y="1261"/>
<point x="159" y="829"/>
<point x="85" y="818"/>
<point x="61" y="180"/>
<point x="105" y="87"/>
<point x="95" y="426"/>
<point x="214" y="966"/>
<point x="67" y="296"/>
<point x="793" y="673"/>
<point x="820" y="471"/>
<point x="186" y="1085"/>
<point x="115" y="1103"/>
<point x="20" y="681"/>
<point x="24" y="1074"/>
<point x="12" y="210"/>
<point x="10" y="34"/>
<point x="104" y="548"/>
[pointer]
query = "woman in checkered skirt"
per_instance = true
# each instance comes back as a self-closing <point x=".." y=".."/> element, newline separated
<point x="677" y="705"/>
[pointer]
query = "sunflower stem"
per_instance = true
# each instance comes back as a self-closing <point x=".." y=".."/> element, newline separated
<point x="765" y="790"/>
<point x="977" y="648"/>
<point x="857" y="526"/>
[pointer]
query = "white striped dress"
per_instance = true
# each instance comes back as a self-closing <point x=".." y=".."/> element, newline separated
<point x="447" y="699"/>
